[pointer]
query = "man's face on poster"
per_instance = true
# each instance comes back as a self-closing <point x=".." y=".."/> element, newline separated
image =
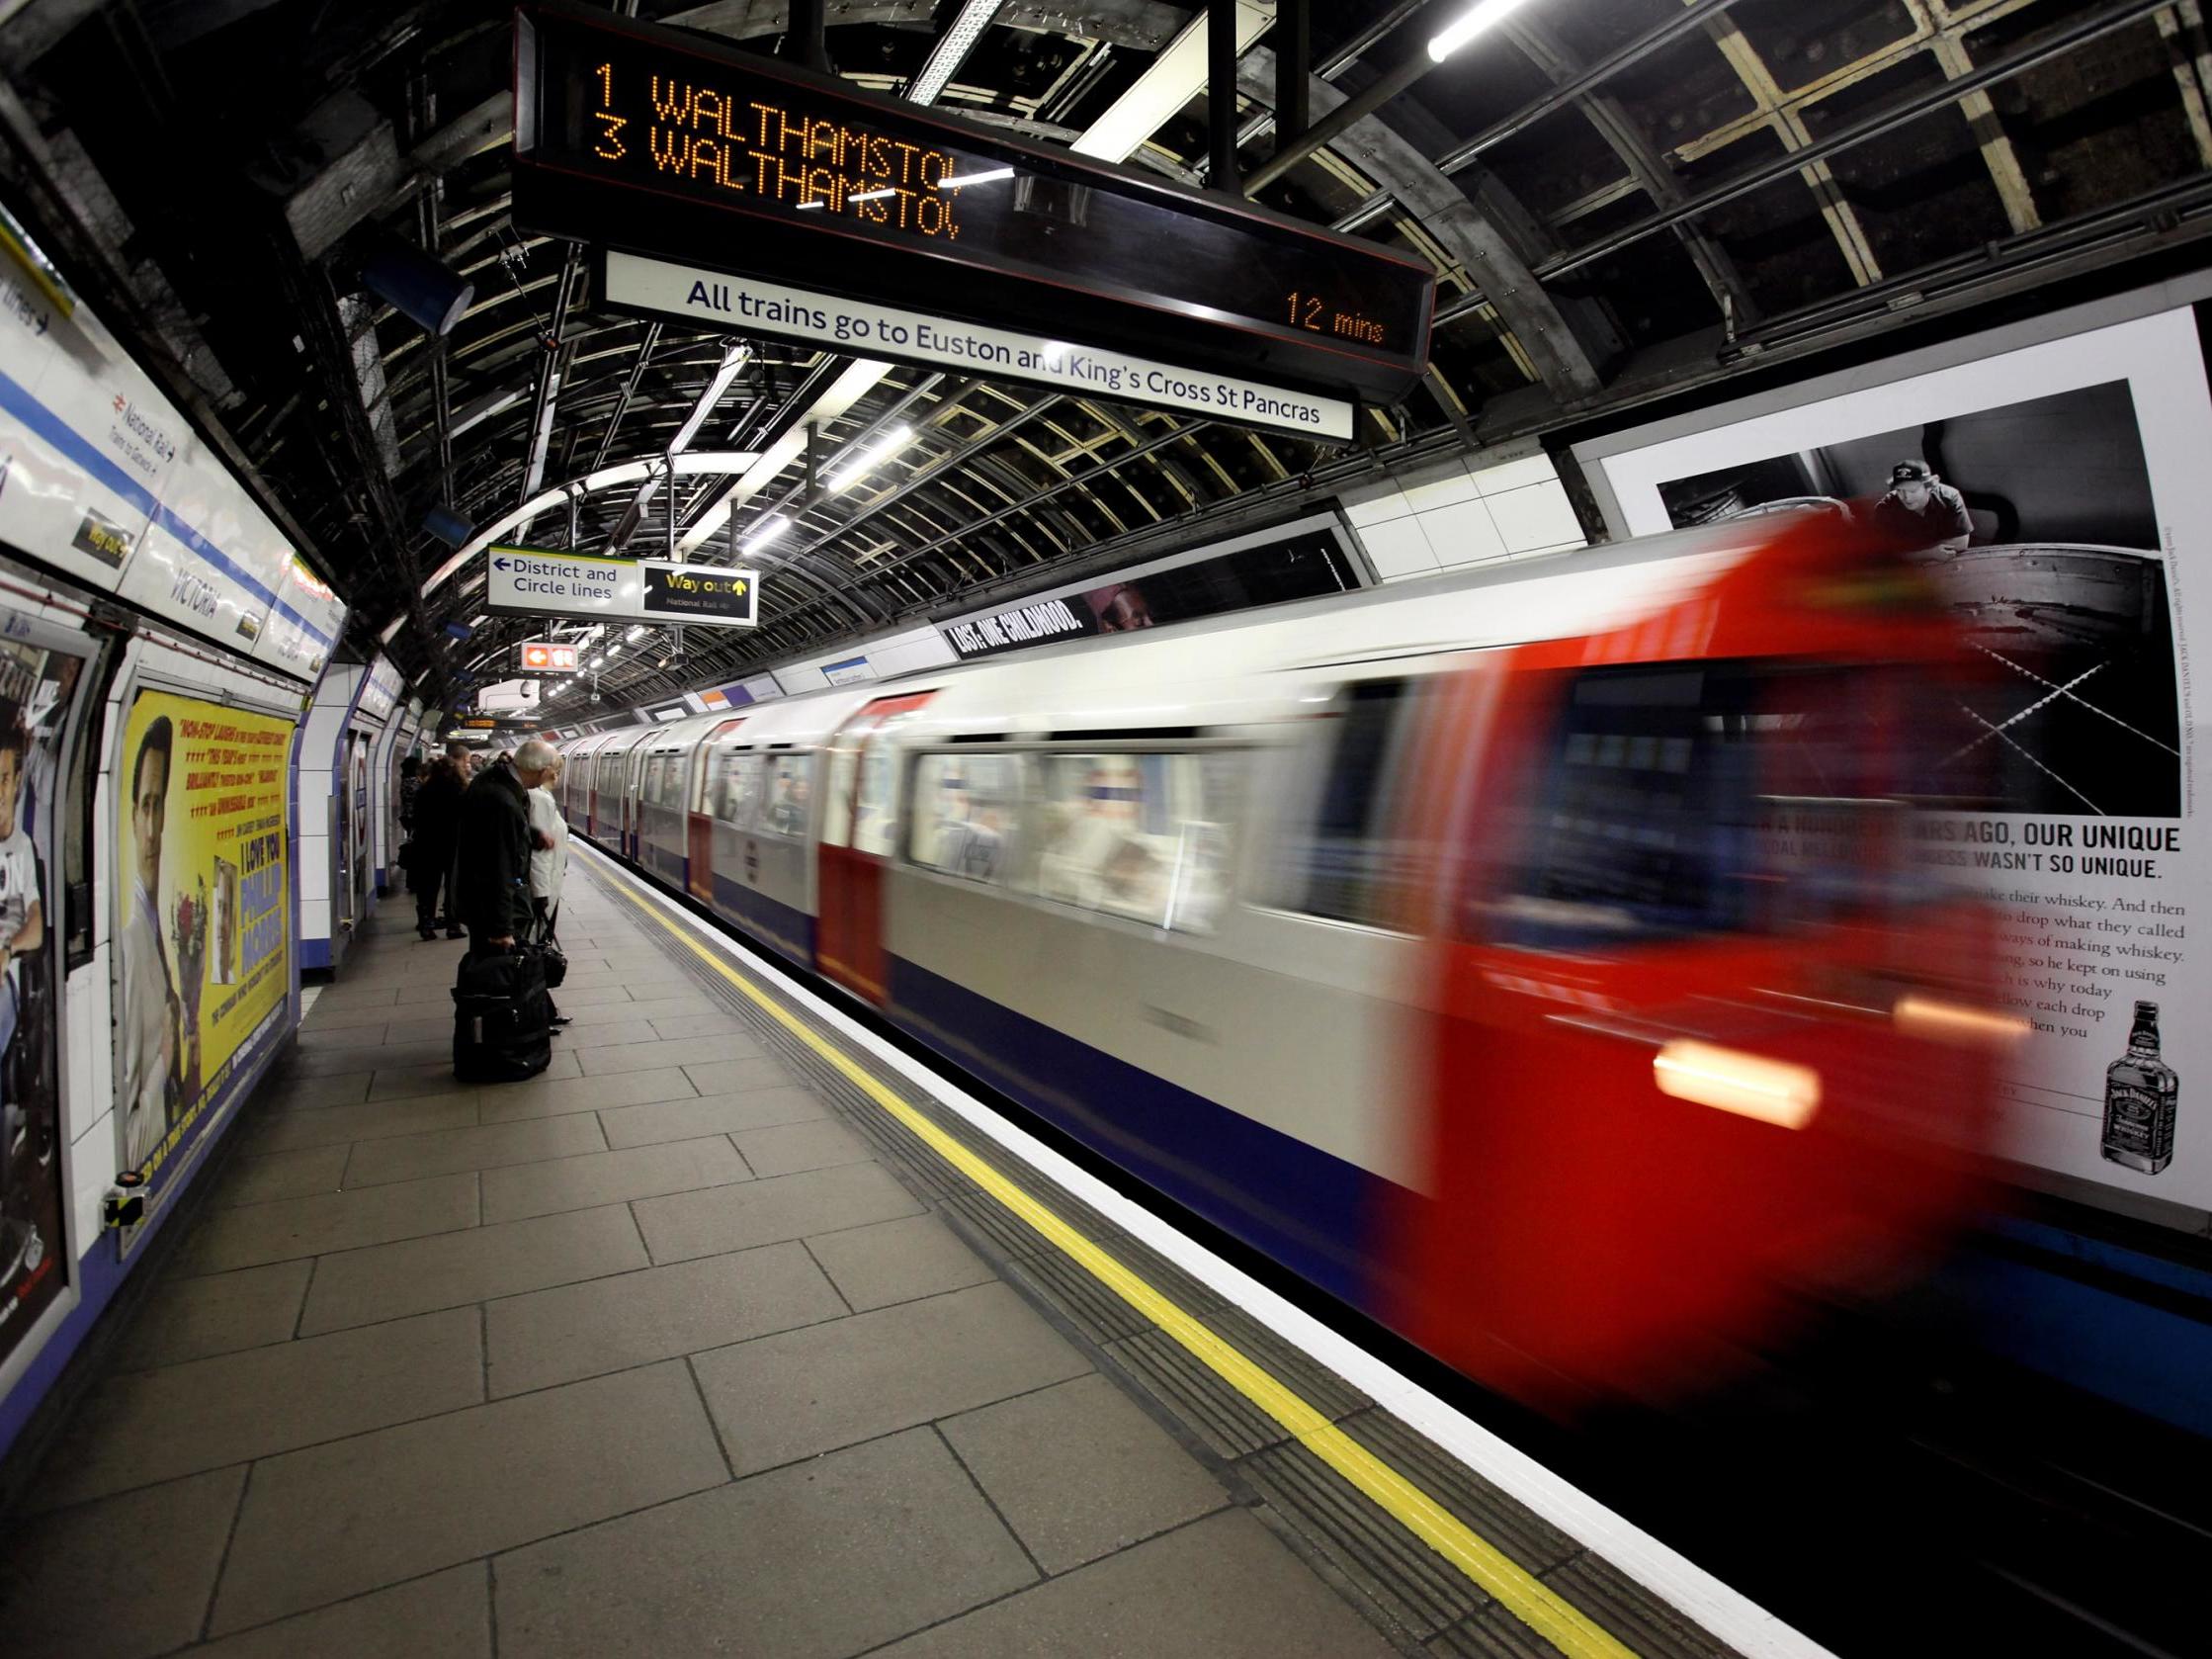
<point x="11" y="789"/>
<point x="149" y="808"/>
<point x="1125" y="612"/>
<point x="1914" y="494"/>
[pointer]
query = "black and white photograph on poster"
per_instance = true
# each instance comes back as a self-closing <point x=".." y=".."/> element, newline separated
<point x="2036" y="523"/>
<point x="2059" y="495"/>
<point x="36" y="690"/>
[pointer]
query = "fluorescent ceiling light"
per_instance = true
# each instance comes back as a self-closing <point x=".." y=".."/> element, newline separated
<point x="636" y="634"/>
<point x="990" y="175"/>
<point x="949" y="54"/>
<point x="766" y="531"/>
<point x="1175" y="76"/>
<point x="860" y="378"/>
<point x="853" y="471"/>
<point x="1484" y="13"/>
<point x="732" y="364"/>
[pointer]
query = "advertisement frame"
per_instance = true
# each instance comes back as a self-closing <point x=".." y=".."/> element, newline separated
<point x="251" y="1058"/>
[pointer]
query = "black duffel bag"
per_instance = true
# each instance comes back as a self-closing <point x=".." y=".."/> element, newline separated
<point x="502" y="1025"/>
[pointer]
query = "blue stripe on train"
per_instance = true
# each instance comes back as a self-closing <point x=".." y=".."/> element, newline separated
<point x="789" y="931"/>
<point x="1314" y="1213"/>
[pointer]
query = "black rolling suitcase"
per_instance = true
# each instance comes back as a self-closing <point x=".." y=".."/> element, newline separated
<point x="501" y="1017"/>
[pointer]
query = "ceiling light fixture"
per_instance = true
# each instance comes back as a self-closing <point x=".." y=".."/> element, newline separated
<point x="636" y="634"/>
<point x="951" y="52"/>
<point x="766" y="531"/>
<point x="733" y="363"/>
<point x="853" y="471"/>
<point x="1483" y="15"/>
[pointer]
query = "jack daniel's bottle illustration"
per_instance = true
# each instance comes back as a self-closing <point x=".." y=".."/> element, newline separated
<point x="2139" y="1095"/>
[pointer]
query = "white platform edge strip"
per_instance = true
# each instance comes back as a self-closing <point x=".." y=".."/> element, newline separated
<point x="1723" y="1612"/>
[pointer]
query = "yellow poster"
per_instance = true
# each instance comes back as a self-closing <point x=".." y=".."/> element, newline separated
<point x="204" y="920"/>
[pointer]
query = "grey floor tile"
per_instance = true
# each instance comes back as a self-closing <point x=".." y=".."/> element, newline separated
<point x="789" y="1148"/>
<point x="435" y="986"/>
<point x="192" y="1318"/>
<point x="404" y="1082"/>
<point x="688" y="1120"/>
<point x="611" y="1033"/>
<point x="541" y="1098"/>
<point x="699" y="1053"/>
<point x="327" y="1016"/>
<point x="324" y="1060"/>
<point x="447" y="1615"/>
<point x="125" y="1578"/>
<point x="609" y="1177"/>
<point x="735" y="1076"/>
<point x="292" y="1131"/>
<point x="658" y="1002"/>
<point x="289" y="1228"/>
<point x="352" y="996"/>
<point x="898" y="1261"/>
<point x="447" y="1150"/>
<point x="703" y="1025"/>
<point x="142" y="1427"/>
<point x="1079" y="1471"/>
<point x="1220" y="1589"/>
<point x="582" y="1330"/>
<point x="686" y="1224"/>
<point x="389" y="1281"/>
<point x="304" y="1094"/>
<point x="808" y="1391"/>
<point x="333" y="1521"/>
<point x="800" y="1564"/>
<point x="283" y="1175"/>
<point x="427" y="1028"/>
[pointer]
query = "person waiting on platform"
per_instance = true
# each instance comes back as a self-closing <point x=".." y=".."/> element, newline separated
<point x="492" y="861"/>
<point x="549" y="859"/>
<point x="437" y="817"/>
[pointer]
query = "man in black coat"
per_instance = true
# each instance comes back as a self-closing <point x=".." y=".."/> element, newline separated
<point x="437" y="814"/>
<point x="491" y="869"/>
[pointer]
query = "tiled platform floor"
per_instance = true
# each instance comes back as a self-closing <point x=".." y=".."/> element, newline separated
<point x="645" y="1357"/>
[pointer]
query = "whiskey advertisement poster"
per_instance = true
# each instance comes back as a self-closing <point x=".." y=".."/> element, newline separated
<point x="2061" y="492"/>
<point x="204" y="921"/>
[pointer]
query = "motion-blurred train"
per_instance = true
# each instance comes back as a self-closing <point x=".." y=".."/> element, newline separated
<point x="1537" y="961"/>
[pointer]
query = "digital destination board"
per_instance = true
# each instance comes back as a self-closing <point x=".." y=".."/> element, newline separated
<point x="663" y="142"/>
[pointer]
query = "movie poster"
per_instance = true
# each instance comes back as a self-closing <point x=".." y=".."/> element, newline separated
<point x="2061" y="496"/>
<point x="204" y="918"/>
<point x="37" y="688"/>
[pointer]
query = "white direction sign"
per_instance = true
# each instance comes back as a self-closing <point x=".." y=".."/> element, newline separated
<point x="752" y="306"/>
<point x="531" y="581"/>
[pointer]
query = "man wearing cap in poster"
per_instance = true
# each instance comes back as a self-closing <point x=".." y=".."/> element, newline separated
<point x="1921" y="510"/>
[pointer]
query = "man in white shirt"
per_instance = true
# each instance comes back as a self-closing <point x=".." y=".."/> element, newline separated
<point x="548" y="857"/>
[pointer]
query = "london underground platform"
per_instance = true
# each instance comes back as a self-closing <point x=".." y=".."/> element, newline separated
<point x="727" y="1335"/>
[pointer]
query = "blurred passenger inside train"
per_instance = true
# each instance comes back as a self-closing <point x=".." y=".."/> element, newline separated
<point x="159" y="1054"/>
<point x="491" y="856"/>
<point x="787" y="813"/>
<point x="437" y="818"/>
<point x="1093" y="852"/>
<point x="23" y="920"/>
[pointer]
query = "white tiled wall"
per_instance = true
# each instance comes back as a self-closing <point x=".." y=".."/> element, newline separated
<point x="1467" y="512"/>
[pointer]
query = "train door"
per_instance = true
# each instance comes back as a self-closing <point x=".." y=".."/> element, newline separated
<point x="700" y="838"/>
<point x="859" y="832"/>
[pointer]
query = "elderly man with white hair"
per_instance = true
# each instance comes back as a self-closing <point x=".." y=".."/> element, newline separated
<point x="492" y="858"/>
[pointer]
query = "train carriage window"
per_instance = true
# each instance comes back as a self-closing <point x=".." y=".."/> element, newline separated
<point x="787" y="793"/>
<point x="1687" y="799"/>
<point x="876" y="820"/>
<point x="735" y="788"/>
<point x="1145" y="836"/>
<point x="967" y="807"/>
<point x="1345" y="863"/>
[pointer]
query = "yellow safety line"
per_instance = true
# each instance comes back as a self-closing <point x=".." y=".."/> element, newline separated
<point x="1531" y="1601"/>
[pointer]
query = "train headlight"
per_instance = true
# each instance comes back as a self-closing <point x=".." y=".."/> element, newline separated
<point x="1730" y="1081"/>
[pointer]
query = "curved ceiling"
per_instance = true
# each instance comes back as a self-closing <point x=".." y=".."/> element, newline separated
<point x="1620" y="198"/>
